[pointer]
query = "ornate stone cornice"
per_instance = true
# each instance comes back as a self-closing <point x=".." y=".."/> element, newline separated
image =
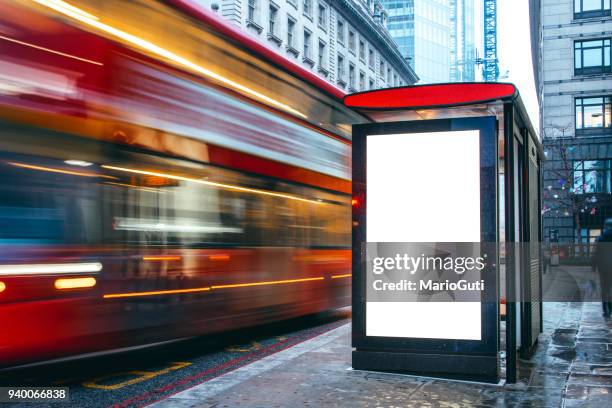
<point x="378" y="34"/>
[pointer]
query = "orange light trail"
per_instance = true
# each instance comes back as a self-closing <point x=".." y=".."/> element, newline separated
<point x="74" y="283"/>
<point x="161" y="258"/>
<point x="243" y="285"/>
<point x="93" y="21"/>
<point x="209" y="183"/>
<point x="205" y="289"/>
<point x="54" y="170"/>
<point x="219" y="257"/>
<point x="63" y="54"/>
<point x="348" y="275"/>
<point x="156" y="292"/>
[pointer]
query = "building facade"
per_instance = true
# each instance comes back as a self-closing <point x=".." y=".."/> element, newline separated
<point x="576" y="121"/>
<point x="438" y="36"/>
<point x="343" y="41"/>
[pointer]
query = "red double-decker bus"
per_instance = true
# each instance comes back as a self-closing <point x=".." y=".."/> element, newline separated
<point x="162" y="175"/>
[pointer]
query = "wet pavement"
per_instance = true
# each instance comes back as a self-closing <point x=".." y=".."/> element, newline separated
<point x="138" y="378"/>
<point x="571" y="368"/>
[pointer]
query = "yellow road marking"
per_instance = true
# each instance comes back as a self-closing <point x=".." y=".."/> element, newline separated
<point x="139" y="376"/>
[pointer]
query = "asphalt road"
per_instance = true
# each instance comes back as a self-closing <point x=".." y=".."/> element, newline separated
<point x="141" y="377"/>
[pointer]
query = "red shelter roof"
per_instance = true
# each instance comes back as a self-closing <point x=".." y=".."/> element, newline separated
<point x="431" y="96"/>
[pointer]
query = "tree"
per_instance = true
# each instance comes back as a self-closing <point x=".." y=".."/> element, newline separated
<point x="565" y="194"/>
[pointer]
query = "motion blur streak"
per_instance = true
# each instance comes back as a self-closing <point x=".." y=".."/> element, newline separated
<point x="348" y="275"/>
<point x="242" y="285"/>
<point x="54" y="170"/>
<point x="211" y="183"/>
<point x="74" y="283"/>
<point x="219" y="257"/>
<point x="49" y="269"/>
<point x="63" y="54"/>
<point x="87" y="18"/>
<point x="155" y="293"/>
<point x="161" y="258"/>
<point x="236" y="210"/>
<point x="64" y="7"/>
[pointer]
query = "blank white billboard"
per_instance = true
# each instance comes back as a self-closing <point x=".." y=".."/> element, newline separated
<point x="423" y="187"/>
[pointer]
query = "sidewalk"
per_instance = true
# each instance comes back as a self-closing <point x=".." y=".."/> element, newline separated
<point x="572" y="368"/>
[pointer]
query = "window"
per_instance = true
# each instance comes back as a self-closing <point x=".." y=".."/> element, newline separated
<point x="340" y="68"/>
<point x="307" y="39"/>
<point x="252" y="9"/>
<point x="593" y="115"/>
<point x="362" y="81"/>
<point x="340" y="31"/>
<point x="592" y="56"/>
<point x="352" y="76"/>
<point x="322" y="54"/>
<point x="272" y="16"/>
<point x="382" y="70"/>
<point x="591" y="8"/>
<point x="371" y="83"/>
<point x="322" y="16"/>
<point x="290" y="33"/>
<point x="395" y="83"/>
<point x="588" y="238"/>
<point x="351" y="41"/>
<point x="592" y="176"/>
<point x="362" y="50"/>
<point x="389" y="76"/>
<point x="371" y="58"/>
<point x="308" y="7"/>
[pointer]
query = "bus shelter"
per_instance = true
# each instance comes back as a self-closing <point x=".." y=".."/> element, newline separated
<point x="446" y="231"/>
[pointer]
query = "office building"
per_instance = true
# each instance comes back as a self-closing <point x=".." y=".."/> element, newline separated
<point x="437" y="36"/>
<point x="344" y="41"/>
<point x="577" y="121"/>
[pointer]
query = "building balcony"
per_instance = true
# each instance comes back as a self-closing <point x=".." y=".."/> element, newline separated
<point x="308" y="60"/>
<point x="291" y="49"/>
<point x="254" y="24"/>
<point x="275" y="38"/>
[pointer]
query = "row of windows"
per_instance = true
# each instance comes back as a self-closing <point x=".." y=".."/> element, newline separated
<point x="591" y="8"/>
<point x="345" y="35"/>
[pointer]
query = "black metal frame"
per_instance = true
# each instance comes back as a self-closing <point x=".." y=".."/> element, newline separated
<point x="580" y="14"/>
<point x="466" y="359"/>
<point x="600" y="69"/>
<point x="514" y="118"/>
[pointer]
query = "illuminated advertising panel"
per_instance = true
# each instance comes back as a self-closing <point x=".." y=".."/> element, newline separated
<point x="422" y="188"/>
<point x="425" y="257"/>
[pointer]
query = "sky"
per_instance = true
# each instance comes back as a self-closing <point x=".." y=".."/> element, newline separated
<point x="513" y="50"/>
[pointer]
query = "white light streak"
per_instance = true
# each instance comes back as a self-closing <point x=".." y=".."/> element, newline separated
<point x="50" y="269"/>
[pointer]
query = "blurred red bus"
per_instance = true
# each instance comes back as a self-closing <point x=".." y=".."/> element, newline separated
<point x="162" y="175"/>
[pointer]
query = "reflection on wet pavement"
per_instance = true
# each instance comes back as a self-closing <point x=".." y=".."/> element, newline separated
<point x="572" y="368"/>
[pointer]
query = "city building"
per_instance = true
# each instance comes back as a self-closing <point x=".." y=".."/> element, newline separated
<point x="344" y="41"/>
<point x="577" y="121"/>
<point x="437" y="36"/>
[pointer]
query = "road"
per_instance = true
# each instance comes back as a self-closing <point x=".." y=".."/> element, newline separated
<point x="144" y="376"/>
